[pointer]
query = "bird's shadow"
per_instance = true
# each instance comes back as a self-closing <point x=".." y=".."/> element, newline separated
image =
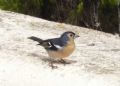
<point x="64" y="62"/>
<point x="48" y="60"/>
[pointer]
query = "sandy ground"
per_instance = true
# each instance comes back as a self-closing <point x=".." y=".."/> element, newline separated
<point x="22" y="62"/>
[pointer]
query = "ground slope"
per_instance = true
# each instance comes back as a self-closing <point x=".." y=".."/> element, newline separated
<point x="22" y="62"/>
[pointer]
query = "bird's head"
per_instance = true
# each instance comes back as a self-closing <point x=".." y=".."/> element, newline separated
<point x="69" y="36"/>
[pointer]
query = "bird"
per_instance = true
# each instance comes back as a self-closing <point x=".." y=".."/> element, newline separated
<point x="60" y="47"/>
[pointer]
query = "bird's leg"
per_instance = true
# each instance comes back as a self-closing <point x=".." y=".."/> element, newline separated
<point x="51" y="64"/>
<point x="64" y="62"/>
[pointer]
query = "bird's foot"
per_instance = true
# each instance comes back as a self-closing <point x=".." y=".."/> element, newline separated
<point x="64" y="62"/>
<point x="52" y="65"/>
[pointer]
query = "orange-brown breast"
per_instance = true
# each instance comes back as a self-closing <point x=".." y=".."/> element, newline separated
<point x="65" y="52"/>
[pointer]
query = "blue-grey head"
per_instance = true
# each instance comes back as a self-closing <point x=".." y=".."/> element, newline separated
<point x="68" y="36"/>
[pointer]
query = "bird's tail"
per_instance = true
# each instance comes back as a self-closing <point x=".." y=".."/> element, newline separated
<point x="35" y="39"/>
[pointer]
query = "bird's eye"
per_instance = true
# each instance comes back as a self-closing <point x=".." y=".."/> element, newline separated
<point x="71" y="35"/>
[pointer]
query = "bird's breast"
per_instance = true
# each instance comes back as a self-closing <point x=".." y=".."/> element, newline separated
<point x="63" y="53"/>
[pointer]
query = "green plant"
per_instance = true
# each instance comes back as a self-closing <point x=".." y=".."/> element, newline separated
<point x="23" y="6"/>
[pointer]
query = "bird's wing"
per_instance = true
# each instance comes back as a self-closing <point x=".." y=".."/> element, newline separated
<point x="58" y="47"/>
<point x="49" y="44"/>
<point x="54" y="44"/>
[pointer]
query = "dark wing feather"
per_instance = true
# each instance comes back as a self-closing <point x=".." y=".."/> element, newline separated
<point x="49" y="44"/>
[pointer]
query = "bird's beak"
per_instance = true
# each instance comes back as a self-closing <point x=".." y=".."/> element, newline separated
<point x="76" y="36"/>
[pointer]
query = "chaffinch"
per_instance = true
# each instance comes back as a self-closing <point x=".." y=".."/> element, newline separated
<point x="60" y="47"/>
